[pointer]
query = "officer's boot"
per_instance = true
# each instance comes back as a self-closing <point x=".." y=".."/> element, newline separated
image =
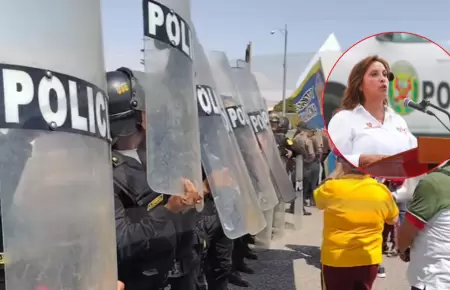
<point x="251" y="255"/>
<point x="235" y="278"/>
<point x="244" y="268"/>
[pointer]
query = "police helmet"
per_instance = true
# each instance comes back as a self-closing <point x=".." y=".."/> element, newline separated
<point x="126" y="102"/>
<point x="274" y="118"/>
<point x="284" y="124"/>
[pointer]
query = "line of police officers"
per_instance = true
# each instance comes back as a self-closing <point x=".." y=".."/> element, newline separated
<point x="176" y="227"/>
<point x="311" y="145"/>
<point x="162" y="241"/>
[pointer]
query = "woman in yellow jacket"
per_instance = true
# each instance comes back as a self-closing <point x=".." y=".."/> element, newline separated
<point x="355" y="207"/>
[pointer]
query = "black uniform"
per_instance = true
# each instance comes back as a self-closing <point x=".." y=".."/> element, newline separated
<point x="217" y="258"/>
<point x="217" y="263"/>
<point x="186" y="267"/>
<point x="145" y="229"/>
<point x="284" y="144"/>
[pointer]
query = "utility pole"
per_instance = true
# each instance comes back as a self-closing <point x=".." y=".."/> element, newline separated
<point x="285" y="33"/>
<point x="248" y="54"/>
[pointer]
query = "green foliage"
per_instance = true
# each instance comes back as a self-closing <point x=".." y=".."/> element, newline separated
<point x="290" y="106"/>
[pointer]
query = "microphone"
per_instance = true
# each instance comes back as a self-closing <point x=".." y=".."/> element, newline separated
<point x="391" y="77"/>
<point x="408" y="103"/>
<point x="422" y="107"/>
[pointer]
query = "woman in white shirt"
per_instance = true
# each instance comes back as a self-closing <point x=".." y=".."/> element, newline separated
<point x="367" y="129"/>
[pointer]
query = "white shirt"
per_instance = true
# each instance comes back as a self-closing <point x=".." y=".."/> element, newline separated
<point x="430" y="255"/>
<point x="356" y="132"/>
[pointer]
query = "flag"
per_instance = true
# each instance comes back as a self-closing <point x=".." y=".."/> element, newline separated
<point x="307" y="97"/>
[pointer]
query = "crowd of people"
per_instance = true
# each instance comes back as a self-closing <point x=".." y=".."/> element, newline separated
<point x="168" y="177"/>
<point x="163" y="242"/>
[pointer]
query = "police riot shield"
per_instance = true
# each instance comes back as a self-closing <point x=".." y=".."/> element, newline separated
<point x="56" y="183"/>
<point x="173" y="148"/>
<point x="236" y="203"/>
<point x="238" y="119"/>
<point x="259" y="119"/>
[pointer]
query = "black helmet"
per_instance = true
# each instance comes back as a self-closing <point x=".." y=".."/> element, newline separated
<point x="126" y="101"/>
<point x="284" y="125"/>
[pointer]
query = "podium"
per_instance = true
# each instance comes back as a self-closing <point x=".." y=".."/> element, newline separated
<point x="430" y="152"/>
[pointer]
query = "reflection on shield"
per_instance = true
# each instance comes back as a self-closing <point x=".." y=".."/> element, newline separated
<point x="252" y="101"/>
<point x="244" y="136"/>
<point x="234" y="197"/>
<point x="173" y="145"/>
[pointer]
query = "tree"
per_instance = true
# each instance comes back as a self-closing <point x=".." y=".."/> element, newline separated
<point x="290" y="106"/>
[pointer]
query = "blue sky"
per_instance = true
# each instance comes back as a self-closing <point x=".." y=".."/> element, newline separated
<point x="228" y="25"/>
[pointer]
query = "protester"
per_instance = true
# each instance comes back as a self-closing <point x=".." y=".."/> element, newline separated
<point x="353" y="226"/>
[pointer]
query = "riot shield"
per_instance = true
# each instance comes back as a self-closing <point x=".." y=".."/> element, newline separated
<point x="253" y="104"/>
<point x="238" y="119"/>
<point x="173" y="149"/>
<point x="55" y="170"/>
<point x="236" y="203"/>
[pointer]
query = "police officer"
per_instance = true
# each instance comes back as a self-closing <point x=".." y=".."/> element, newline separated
<point x="280" y="127"/>
<point x="302" y="145"/>
<point x="316" y="139"/>
<point x="322" y="141"/>
<point x="146" y="221"/>
<point x="311" y="164"/>
<point x="216" y="257"/>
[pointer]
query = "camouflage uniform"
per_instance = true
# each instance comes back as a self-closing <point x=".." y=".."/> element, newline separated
<point x="304" y="147"/>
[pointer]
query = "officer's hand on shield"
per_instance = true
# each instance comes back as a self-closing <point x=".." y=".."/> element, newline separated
<point x="190" y="197"/>
<point x="206" y="188"/>
<point x="120" y="286"/>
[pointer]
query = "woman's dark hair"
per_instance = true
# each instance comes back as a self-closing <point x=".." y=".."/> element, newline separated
<point x="353" y="95"/>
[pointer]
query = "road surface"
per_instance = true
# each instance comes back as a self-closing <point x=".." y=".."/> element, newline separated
<point x="296" y="266"/>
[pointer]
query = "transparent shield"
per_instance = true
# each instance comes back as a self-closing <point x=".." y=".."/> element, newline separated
<point x="235" y="204"/>
<point x="254" y="215"/>
<point x="259" y="120"/>
<point x="56" y="187"/>
<point x="238" y="120"/>
<point x="56" y="193"/>
<point x="173" y="149"/>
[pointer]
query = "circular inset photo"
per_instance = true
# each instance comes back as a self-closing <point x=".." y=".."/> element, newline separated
<point x="386" y="105"/>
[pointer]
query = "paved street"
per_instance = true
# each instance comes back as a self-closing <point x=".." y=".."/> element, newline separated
<point x="297" y="265"/>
